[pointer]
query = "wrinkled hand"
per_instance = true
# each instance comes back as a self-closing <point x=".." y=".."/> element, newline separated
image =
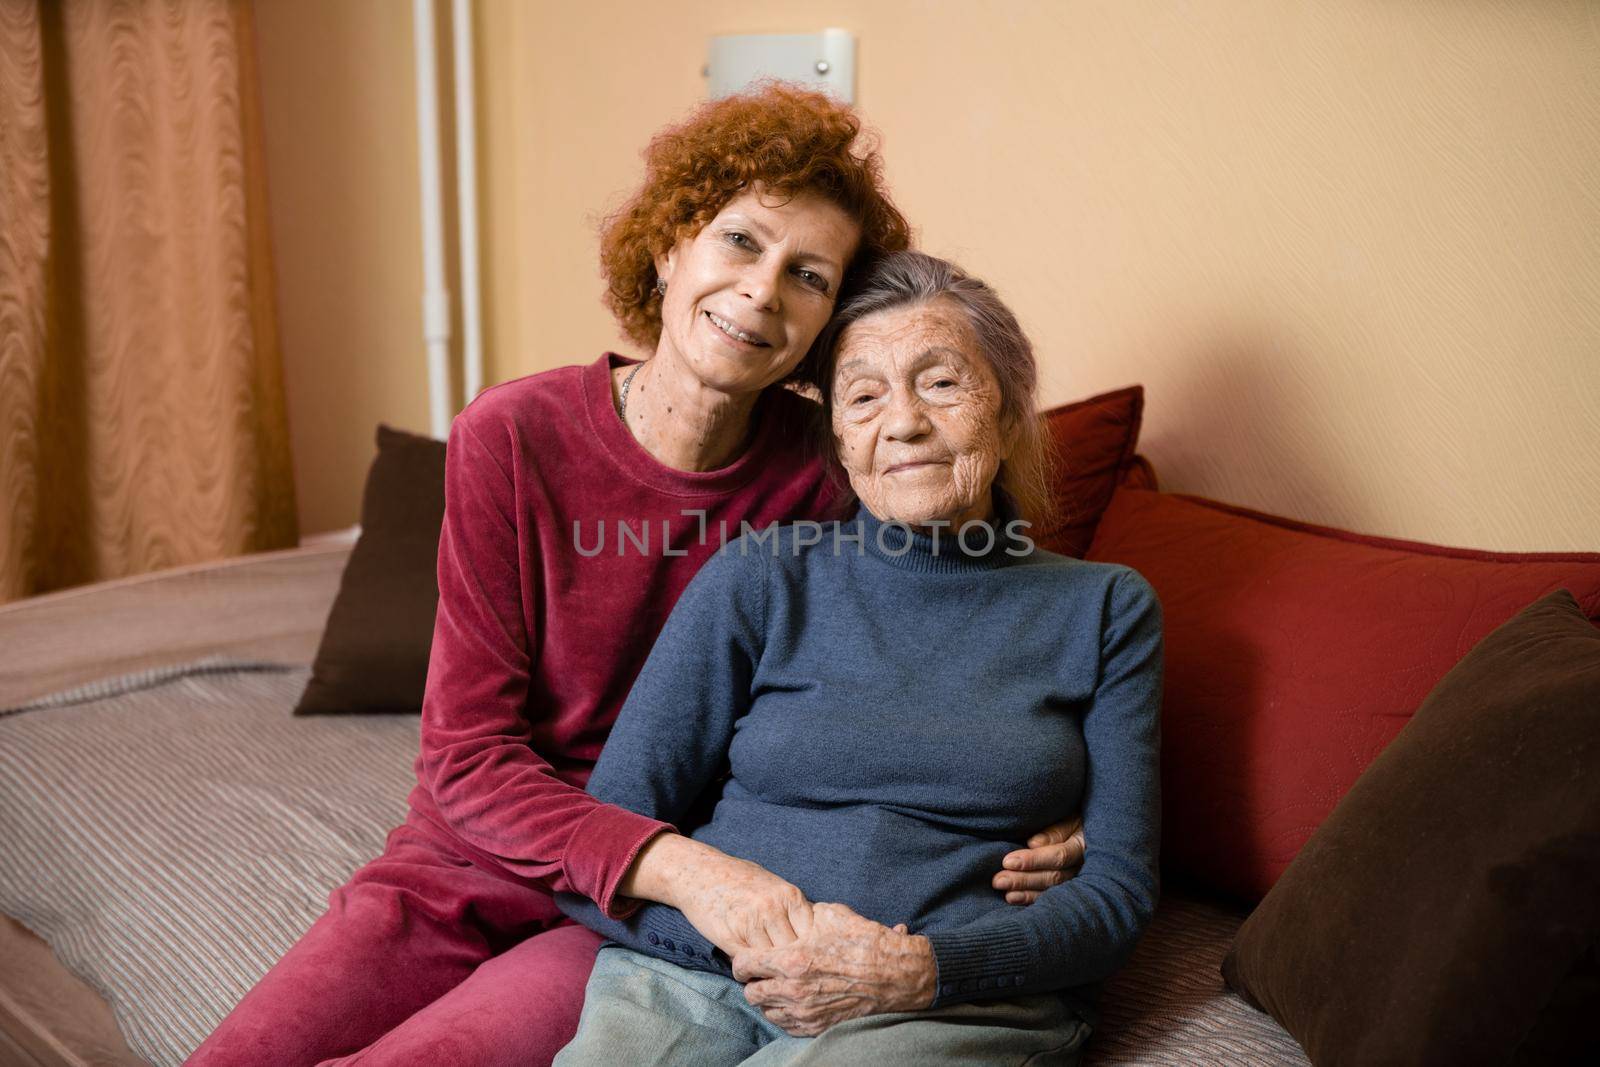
<point x="736" y="904"/>
<point x="846" y="967"/>
<point x="1053" y="855"/>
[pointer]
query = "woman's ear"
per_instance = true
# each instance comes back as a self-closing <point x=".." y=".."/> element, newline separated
<point x="664" y="263"/>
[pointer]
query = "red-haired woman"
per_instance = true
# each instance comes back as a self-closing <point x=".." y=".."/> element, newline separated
<point x="578" y="504"/>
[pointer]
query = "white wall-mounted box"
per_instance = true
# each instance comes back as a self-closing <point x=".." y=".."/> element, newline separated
<point x="826" y="60"/>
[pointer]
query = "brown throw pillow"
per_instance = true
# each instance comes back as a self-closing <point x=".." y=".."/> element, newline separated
<point x="1448" y="911"/>
<point x="374" y="650"/>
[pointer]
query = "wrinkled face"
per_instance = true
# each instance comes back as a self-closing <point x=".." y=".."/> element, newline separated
<point x="916" y="415"/>
<point x="748" y="294"/>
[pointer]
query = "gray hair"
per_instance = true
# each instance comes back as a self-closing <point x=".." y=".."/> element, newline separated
<point x="907" y="279"/>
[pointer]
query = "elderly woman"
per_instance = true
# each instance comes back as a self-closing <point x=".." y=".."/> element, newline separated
<point x="754" y="215"/>
<point x="897" y="700"/>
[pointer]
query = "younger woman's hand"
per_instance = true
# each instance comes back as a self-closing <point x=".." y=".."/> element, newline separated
<point x="1053" y="855"/>
<point x="736" y="904"/>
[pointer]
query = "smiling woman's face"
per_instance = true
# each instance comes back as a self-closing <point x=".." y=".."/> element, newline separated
<point x="916" y="415"/>
<point x="748" y="294"/>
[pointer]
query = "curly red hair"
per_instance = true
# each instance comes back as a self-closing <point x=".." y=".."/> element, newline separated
<point x="788" y="139"/>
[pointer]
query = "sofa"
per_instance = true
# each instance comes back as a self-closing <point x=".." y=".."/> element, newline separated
<point x="169" y="824"/>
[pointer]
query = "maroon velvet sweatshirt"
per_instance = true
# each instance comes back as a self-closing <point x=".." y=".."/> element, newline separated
<point x="564" y="547"/>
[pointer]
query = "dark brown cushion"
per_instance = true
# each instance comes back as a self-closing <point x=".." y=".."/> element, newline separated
<point x="374" y="651"/>
<point x="1447" y="911"/>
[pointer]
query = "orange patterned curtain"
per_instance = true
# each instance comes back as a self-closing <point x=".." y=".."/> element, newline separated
<point x="141" y="396"/>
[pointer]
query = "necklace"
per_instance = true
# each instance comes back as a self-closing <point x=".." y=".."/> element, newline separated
<point x="622" y="405"/>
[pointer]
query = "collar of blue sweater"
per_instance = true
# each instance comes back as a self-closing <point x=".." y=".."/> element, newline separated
<point x="977" y="547"/>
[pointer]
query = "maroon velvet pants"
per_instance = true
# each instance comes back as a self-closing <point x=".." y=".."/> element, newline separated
<point x="428" y="955"/>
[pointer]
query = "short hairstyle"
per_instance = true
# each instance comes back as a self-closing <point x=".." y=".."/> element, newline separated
<point x="908" y="279"/>
<point x="789" y="140"/>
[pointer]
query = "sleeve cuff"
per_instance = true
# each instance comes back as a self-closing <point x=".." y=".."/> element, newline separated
<point x="979" y="962"/>
<point x="602" y="848"/>
<point x="672" y="937"/>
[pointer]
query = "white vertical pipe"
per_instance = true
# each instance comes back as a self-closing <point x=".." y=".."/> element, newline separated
<point x="435" y="297"/>
<point x="467" y="199"/>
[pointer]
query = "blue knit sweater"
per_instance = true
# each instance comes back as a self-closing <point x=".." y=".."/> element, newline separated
<point x="886" y="718"/>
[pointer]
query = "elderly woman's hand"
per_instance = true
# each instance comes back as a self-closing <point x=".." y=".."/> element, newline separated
<point x="848" y="966"/>
<point x="736" y="904"/>
<point x="1053" y="855"/>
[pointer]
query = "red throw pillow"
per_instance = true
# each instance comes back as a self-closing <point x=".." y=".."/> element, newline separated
<point x="1139" y="474"/>
<point x="1294" y="654"/>
<point x="1094" y="442"/>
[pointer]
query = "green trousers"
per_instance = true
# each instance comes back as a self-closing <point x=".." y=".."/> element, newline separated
<point x="640" y="1010"/>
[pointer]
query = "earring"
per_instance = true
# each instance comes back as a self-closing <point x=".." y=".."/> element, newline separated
<point x="661" y="286"/>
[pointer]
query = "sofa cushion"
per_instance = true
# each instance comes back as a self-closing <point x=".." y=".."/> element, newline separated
<point x="1294" y="654"/>
<point x="1093" y="442"/>
<point x="1139" y="474"/>
<point x="1448" y="911"/>
<point x="374" y="650"/>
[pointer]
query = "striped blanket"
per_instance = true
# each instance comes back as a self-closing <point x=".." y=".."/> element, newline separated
<point x="171" y="833"/>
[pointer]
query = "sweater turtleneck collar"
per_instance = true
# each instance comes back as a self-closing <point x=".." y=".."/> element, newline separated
<point x="943" y="551"/>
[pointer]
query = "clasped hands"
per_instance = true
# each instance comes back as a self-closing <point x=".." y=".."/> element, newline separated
<point x="843" y="966"/>
<point x="808" y="966"/>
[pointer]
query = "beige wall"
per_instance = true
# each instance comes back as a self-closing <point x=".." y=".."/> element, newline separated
<point x="1352" y="249"/>
<point x="339" y="109"/>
